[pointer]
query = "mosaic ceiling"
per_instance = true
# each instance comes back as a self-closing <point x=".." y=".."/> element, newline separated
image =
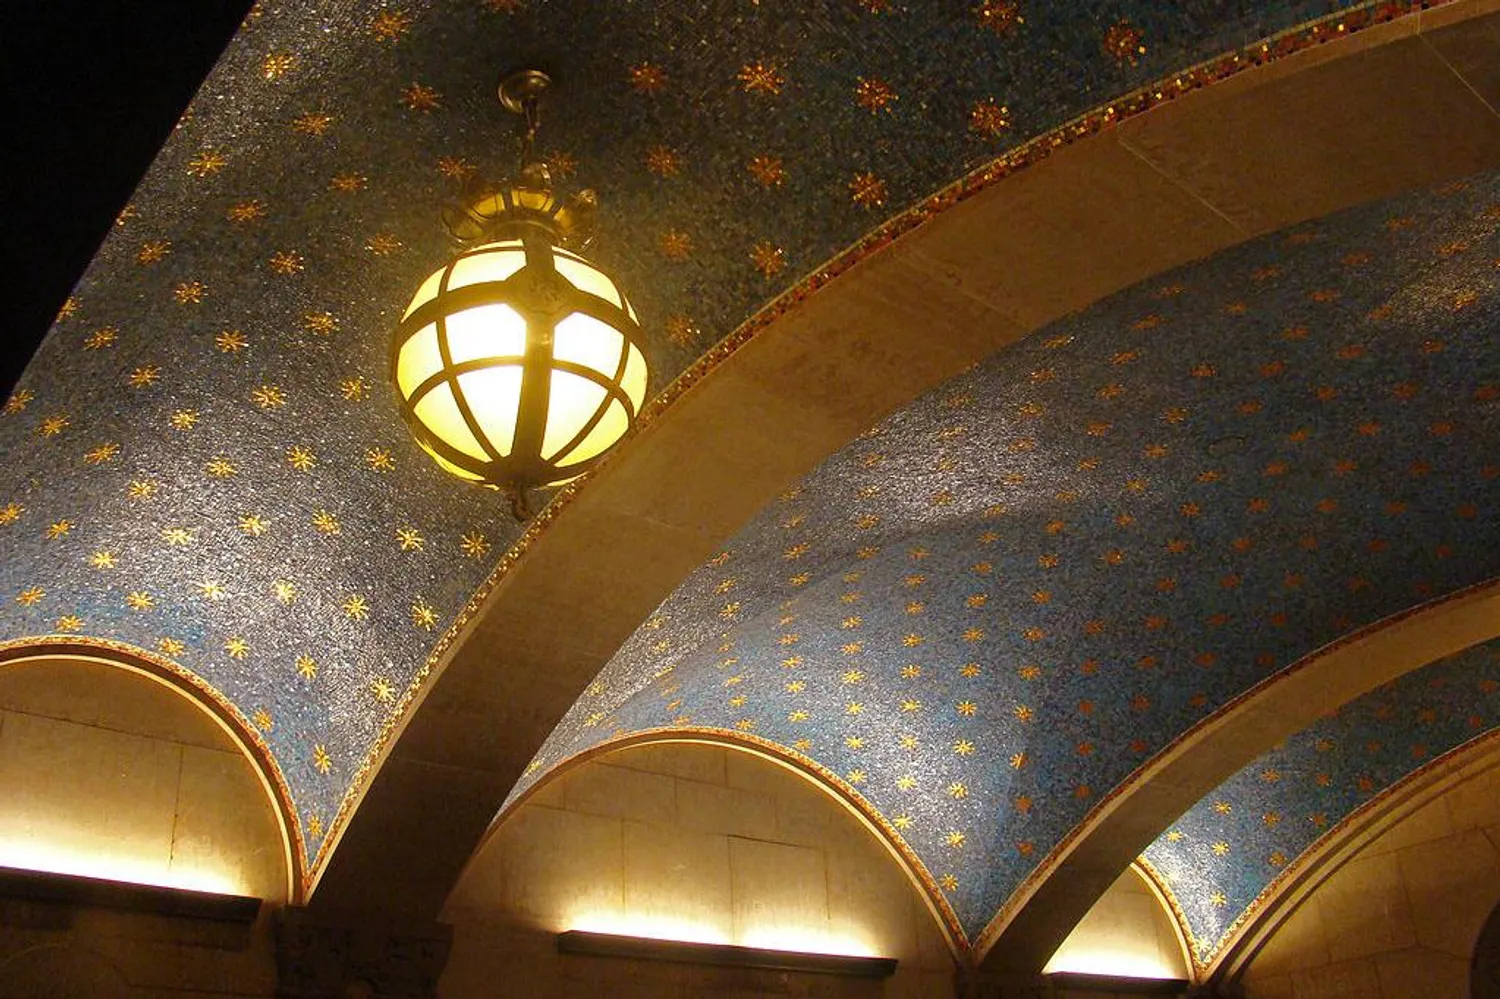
<point x="1219" y="857"/>
<point x="205" y="461"/>
<point x="981" y="616"/>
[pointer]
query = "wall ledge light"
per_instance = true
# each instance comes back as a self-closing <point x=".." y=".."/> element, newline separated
<point x="1077" y="981"/>
<point x="98" y="893"/>
<point x="722" y="955"/>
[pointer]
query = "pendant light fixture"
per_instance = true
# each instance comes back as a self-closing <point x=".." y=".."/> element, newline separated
<point x="519" y="363"/>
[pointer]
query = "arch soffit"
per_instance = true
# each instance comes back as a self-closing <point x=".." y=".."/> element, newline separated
<point x="1039" y="915"/>
<point x="191" y="688"/>
<point x="1341" y="844"/>
<point x="655" y="522"/>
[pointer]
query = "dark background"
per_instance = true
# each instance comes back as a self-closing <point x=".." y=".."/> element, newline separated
<point x="92" y="90"/>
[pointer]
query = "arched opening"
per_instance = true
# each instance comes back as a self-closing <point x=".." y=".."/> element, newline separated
<point x="1129" y="933"/>
<point x="698" y="841"/>
<point x="109" y="772"/>
<point x="1395" y="907"/>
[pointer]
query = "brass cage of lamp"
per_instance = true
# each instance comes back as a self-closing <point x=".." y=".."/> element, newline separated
<point x="461" y="352"/>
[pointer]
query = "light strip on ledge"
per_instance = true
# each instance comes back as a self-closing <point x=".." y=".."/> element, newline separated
<point x="724" y="955"/>
<point x="73" y="890"/>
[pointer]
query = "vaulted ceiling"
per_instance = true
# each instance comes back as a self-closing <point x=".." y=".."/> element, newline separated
<point x="980" y="617"/>
<point x="208" y="475"/>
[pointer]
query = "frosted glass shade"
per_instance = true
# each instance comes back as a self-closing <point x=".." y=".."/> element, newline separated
<point x="518" y="364"/>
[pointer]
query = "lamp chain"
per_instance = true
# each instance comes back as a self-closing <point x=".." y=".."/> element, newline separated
<point x="532" y="108"/>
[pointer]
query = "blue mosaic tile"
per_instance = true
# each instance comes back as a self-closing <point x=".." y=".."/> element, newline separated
<point x="209" y="422"/>
<point x="1224" y="852"/>
<point x="990" y="609"/>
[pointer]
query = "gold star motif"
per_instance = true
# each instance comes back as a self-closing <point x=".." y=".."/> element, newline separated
<point x="383" y="244"/>
<point x="955" y="839"/>
<point x="11" y="512"/>
<point x="682" y="331"/>
<point x="325" y="522"/>
<point x="262" y="719"/>
<point x="301" y="458"/>
<point x="675" y="244"/>
<point x="286" y="262"/>
<point x="353" y="389"/>
<point x="409" y="539"/>
<point x="379" y="459"/>
<point x="474" y="545"/>
<point x="18" y="400"/>
<point x="231" y="341"/>
<point x="989" y="119"/>
<point x="768" y="258"/>
<point x="143" y="376"/>
<point x="254" y="525"/>
<point x="1220" y="848"/>
<point x="321" y="323"/>
<point x="646" y="78"/>
<point x="761" y="77"/>
<point x="419" y="97"/>
<point x="220" y="468"/>
<point x="768" y="170"/>
<point x="963" y="747"/>
<point x="210" y="589"/>
<point x="389" y="26"/>
<point x="102" y="454"/>
<point x="68" y="623"/>
<point x="51" y="426"/>
<point x="151" y="252"/>
<point x="139" y="600"/>
<point x="382" y="689"/>
<point x="454" y="167"/>
<point x="177" y="536"/>
<point x="285" y="591"/>
<point x="59" y="529"/>
<point x="29" y="596"/>
<point x="170" y="646"/>
<point x="141" y="489"/>
<point x="312" y="122"/>
<point x="867" y="189"/>
<point x="184" y="419"/>
<point x="276" y="65"/>
<point x="321" y="760"/>
<point x="69" y="306"/>
<point x="874" y="95"/>
<point x="348" y="183"/>
<point x="102" y="559"/>
<point x="206" y="163"/>
<point x="190" y="292"/>
<point x="958" y="790"/>
<point x="103" y="337"/>
<point x="268" y="397"/>
<point x="307" y="668"/>
<point x="1000" y="16"/>
<point x="1123" y="42"/>
<point x="245" y="211"/>
<point x="237" y="648"/>
<point x="355" y="608"/>
<point x="663" y="161"/>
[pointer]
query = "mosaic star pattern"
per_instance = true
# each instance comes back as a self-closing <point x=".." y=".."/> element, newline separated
<point x="205" y="458"/>
<point x="985" y="613"/>
<point x="1219" y="857"/>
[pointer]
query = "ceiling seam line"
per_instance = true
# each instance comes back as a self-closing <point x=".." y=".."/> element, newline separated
<point x="1460" y="77"/>
<point x="1181" y="185"/>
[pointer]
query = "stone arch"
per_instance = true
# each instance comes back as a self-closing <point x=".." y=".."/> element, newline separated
<point x="167" y="679"/>
<point x="1027" y="929"/>
<point x="827" y="783"/>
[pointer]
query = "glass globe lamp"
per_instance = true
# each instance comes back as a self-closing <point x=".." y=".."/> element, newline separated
<point x="519" y="363"/>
